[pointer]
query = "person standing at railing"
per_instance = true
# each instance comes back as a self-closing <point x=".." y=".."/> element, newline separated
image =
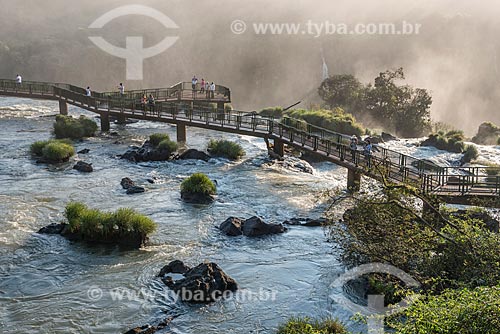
<point x="354" y="148"/>
<point x="367" y="152"/>
<point x="207" y="89"/>
<point x="212" y="90"/>
<point x="202" y="85"/>
<point x="144" y="101"/>
<point x="121" y="88"/>
<point x="194" y="82"/>
<point x="88" y="92"/>
<point x="151" y="103"/>
<point x="19" y="80"/>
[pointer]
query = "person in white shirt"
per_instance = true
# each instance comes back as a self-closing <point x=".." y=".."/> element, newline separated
<point x="194" y="81"/>
<point x="19" y="79"/>
<point x="212" y="90"/>
<point x="121" y="88"/>
<point x="88" y="91"/>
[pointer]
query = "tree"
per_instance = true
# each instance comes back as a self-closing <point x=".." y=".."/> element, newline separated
<point x="343" y="90"/>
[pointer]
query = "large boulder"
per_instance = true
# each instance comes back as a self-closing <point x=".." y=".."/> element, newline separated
<point x="83" y="167"/>
<point x="487" y="134"/>
<point x="196" y="198"/>
<point x="174" y="267"/>
<point x="232" y="226"/>
<point x="193" y="154"/>
<point x="204" y="283"/>
<point x="146" y="152"/>
<point x="255" y="227"/>
<point x="388" y="137"/>
<point x="53" y="228"/>
<point x="127" y="182"/>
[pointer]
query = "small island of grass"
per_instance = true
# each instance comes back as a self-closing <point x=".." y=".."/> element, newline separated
<point x="198" y="188"/>
<point x="74" y="128"/>
<point x="226" y="149"/>
<point x="123" y="227"/>
<point x="52" y="151"/>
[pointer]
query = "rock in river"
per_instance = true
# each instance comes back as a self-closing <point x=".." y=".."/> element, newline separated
<point x="251" y="227"/>
<point x="204" y="283"/>
<point x="83" y="167"/>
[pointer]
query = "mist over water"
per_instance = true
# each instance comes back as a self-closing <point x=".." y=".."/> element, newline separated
<point x="455" y="55"/>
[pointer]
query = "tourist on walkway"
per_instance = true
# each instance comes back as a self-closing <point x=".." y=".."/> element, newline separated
<point x="19" y="79"/>
<point x="144" y="101"/>
<point x="121" y="88"/>
<point x="202" y="85"/>
<point x="367" y="151"/>
<point x="354" y="147"/>
<point x="194" y="82"/>
<point x="212" y="90"/>
<point x="151" y="102"/>
<point x="88" y="92"/>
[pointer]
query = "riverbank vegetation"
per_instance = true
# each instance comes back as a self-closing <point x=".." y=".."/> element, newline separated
<point x="74" y="128"/>
<point x="454" y="255"/>
<point x="311" y="326"/>
<point x="122" y="226"/>
<point x="336" y="120"/>
<point x="226" y="149"/>
<point x="52" y="151"/>
<point x="397" y="108"/>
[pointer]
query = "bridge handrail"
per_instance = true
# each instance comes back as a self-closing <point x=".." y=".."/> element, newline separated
<point x="402" y="167"/>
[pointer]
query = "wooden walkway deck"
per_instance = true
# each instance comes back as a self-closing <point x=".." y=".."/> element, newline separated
<point x="182" y="106"/>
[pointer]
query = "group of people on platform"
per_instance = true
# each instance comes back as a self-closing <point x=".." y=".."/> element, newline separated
<point x="205" y="87"/>
<point x="367" y="151"/>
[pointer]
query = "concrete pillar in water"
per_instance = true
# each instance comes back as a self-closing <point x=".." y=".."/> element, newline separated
<point x="279" y="147"/>
<point x="105" y="125"/>
<point x="181" y="133"/>
<point x="220" y="111"/>
<point x="353" y="180"/>
<point x="63" y="107"/>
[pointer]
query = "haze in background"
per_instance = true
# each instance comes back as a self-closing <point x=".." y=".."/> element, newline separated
<point x="455" y="55"/>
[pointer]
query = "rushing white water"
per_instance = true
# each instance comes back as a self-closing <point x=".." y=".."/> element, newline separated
<point x="45" y="280"/>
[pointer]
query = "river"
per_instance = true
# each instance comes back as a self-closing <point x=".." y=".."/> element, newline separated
<point x="45" y="280"/>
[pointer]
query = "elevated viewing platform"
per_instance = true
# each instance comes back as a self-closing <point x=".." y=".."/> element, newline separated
<point x="184" y="107"/>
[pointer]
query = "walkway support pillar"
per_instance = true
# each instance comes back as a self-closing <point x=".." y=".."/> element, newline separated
<point x="181" y="133"/>
<point x="353" y="180"/>
<point x="63" y="107"/>
<point x="105" y="124"/>
<point x="220" y="111"/>
<point x="279" y="147"/>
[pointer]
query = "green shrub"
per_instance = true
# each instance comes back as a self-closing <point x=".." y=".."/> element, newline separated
<point x="308" y="326"/>
<point x="336" y="120"/>
<point x="104" y="226"/>
<point x="225" y="148"/>
<point x="167" y="145"/>
<point x="198" y="183"/>
<point x="470" y="154"/>
<point x="275" y="112"/>
<point x="74" y="128"/>
<point x="453" y="311"/>
<point x="53" y="150"/>
<point x="228" y="107"/>
<point x="56" y="152"/>
<point x="498" y="141"/>
<point x="452" y="141"/>
<point x="156" y="138"/>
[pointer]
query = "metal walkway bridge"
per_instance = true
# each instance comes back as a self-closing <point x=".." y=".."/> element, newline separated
<point x="185" y="107"/>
